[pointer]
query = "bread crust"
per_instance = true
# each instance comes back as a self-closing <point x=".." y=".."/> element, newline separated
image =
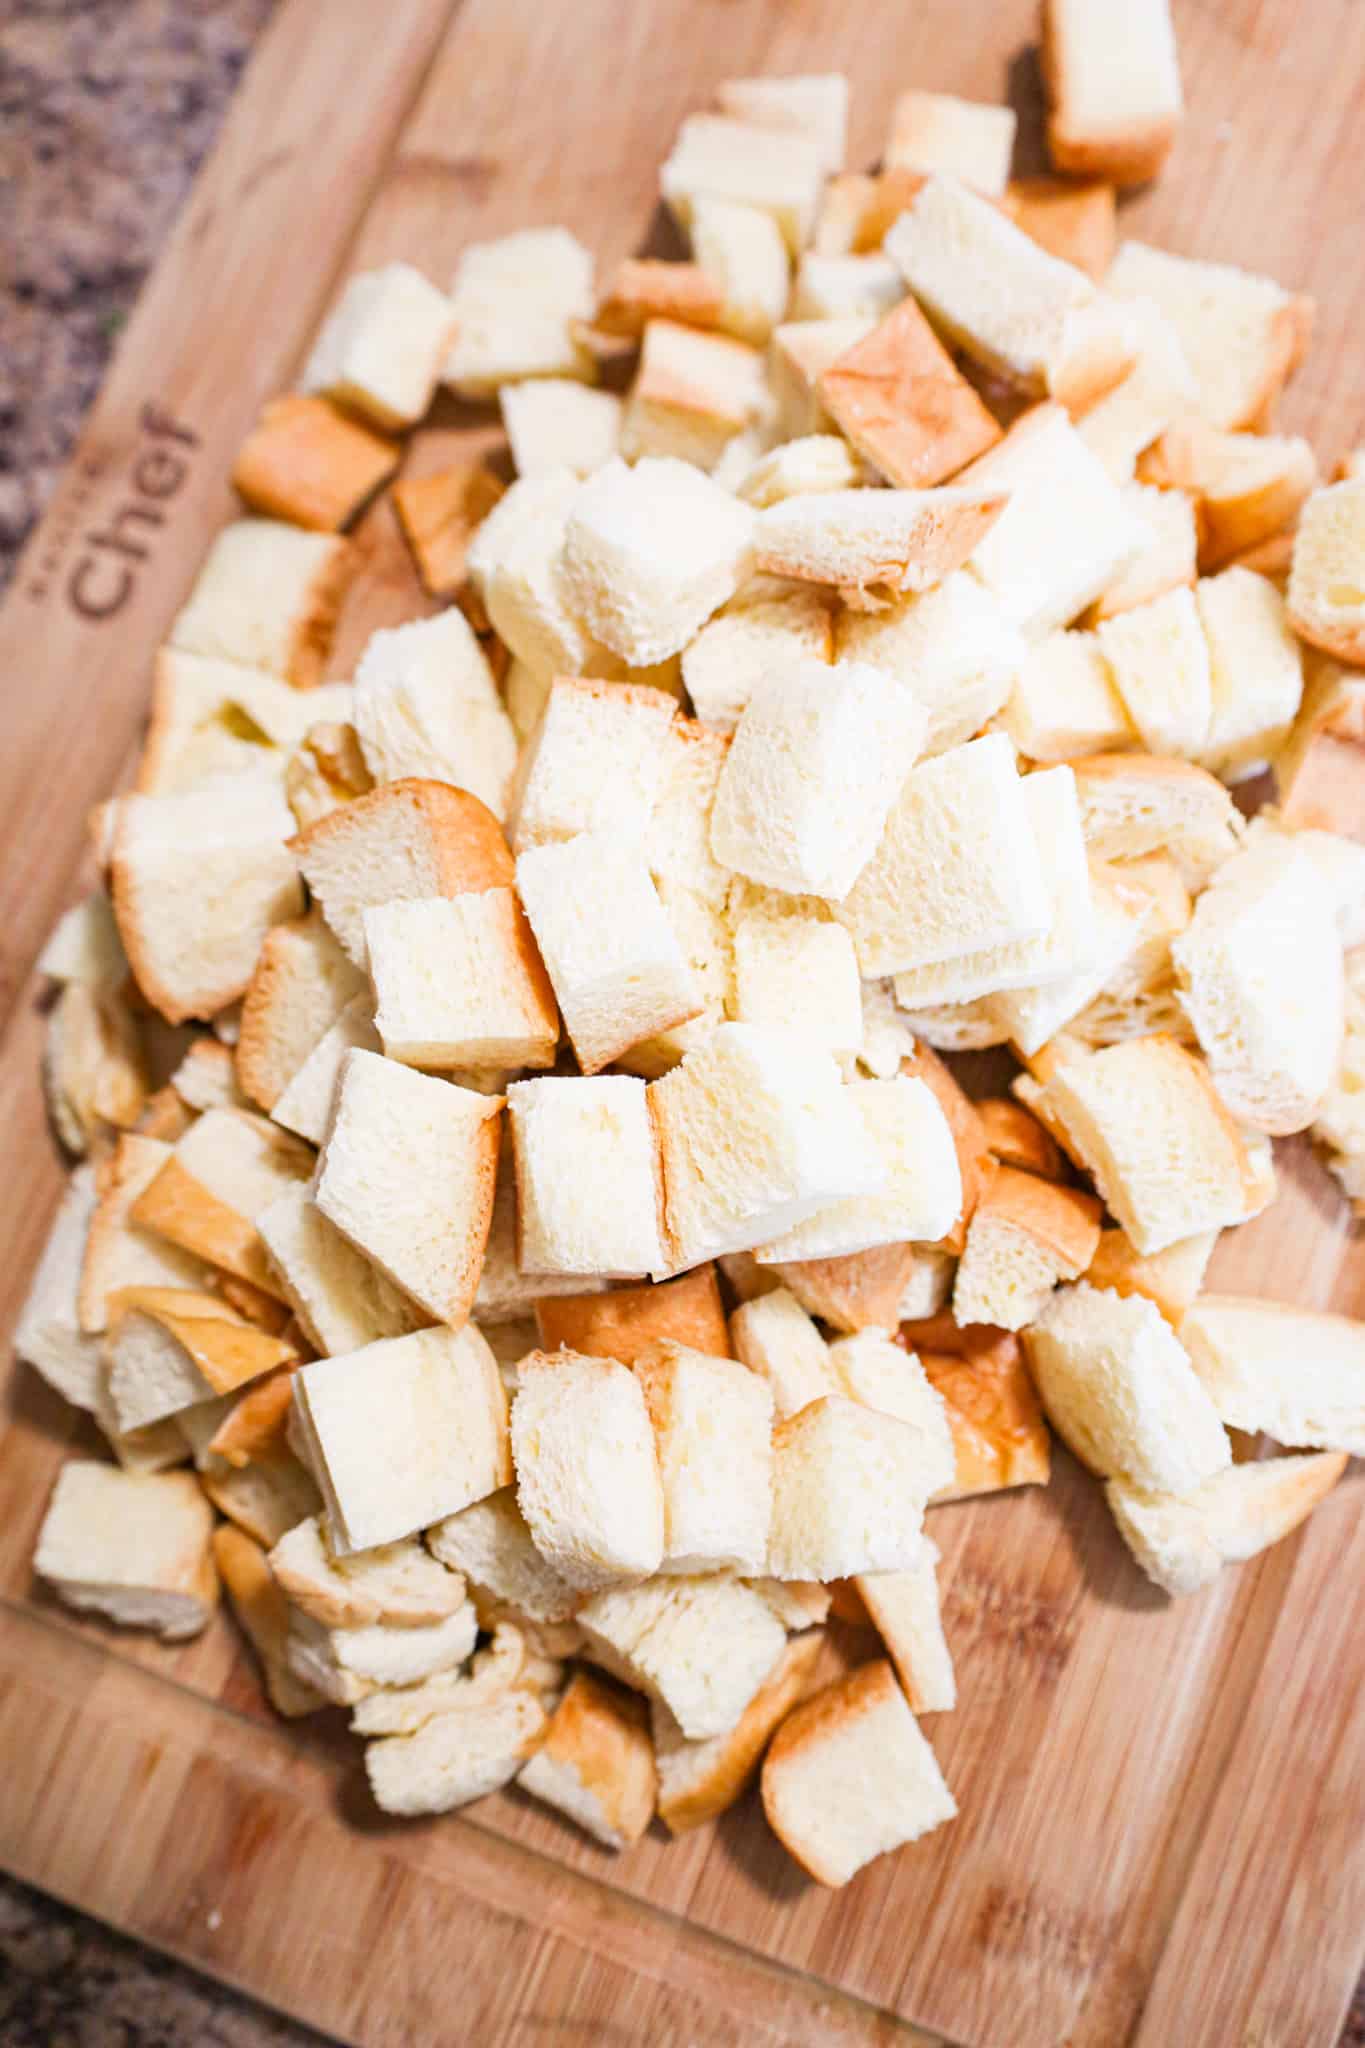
<point x="737" y="1755"/>
<point x="625" y="1322"/>
<point x="1075" y="222"/>
<point x="902" y="401"/>
<point x="1016" y="1138"/>
<point x="969" y="1136"/>
<point x="856" y="1291"/>
<point x="642" y="289"/>
<point x="1129" y="153"/>
<point x="308" y="462"/>
<point x="999" y="1434"/>
<point x="440" y="515"/>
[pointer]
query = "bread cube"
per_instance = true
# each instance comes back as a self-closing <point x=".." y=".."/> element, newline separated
<point x="569" y="1136"/>
<point x="402" y="1433"/>
<point x="1064" y="702"/>
<point x="701" y="1646"/>
<point x="801" y="350"/>
<point x="1255" y="672"/>
<point x="308" y="462"/>
<point x="596" y="762"/>
<point x="1292" y="1373"/>
<point x="626" y="1322"/>
<point x="903" y="403"/>
<point x="778" y="170"/>
<point x="458" y="983"/>
<point x="816" y="763"/>
<point x="712" y="1421"/>
<point x="305" y="1105"/>
<point x="426" y="705"/>
<point x="650" y="553"/>
<point x="896" y="540"/>
<point x="779" y="1342"/>
<point x="439" y="515"/>
<point x="1119" y="1386"/>
<point x="795" y="971"/>
<point x="872" y="1369"/>
<point x="814" y="104"/>
<point x="645" y="288"/>
<point x="407" y="841"/>
<point x="849" y="1776"/>
<point x="1066" y="531"/>
<point x="1026" y="1236"/>
<point x="1324" y="602"/>
<point x="1133" y="804"/>
<point x="849" y="1487"/>
<point x="932" y="131"/>
<point x="587" y="1471"/>
<point x="396" y="1585"/>
<point x="1167" y="558"/>
<point x="456" y="1758"/>
<point x="553" y="423"/>
<point x="692" y="393"/>
<point x="514" y="302"/>
<point x="169" y="1347"/>
<point x="301" y="983"/>
<point x="1069" y="219"/>
<point x="134" y="1547"/>
<point x="733" y="652"/>
<point x="1159" y="658"/>
<point x="515" y="566"/>
<point x="904" y="1609"/>
<point x="1158" y="391"/>
<point x="845" y="287"/>
<point x="678" y="842"/>
<point x="342" y="1301"/>
<point x="1112" y="111"/>
<point x="490" y="1543"/>
<point x="596" y="1764"/>
<point x="212" y="719"/>
<point x="1183" y="1541"/>
<point x="225" y="1170"/>
<point x="956" y="643"/>
<point x="407" y="1175"/>
<point x="921" y="1194"/>
<point x="999" y="1436"/>
<point x="698" y="1780"/>
<point x="957" y="869"/>
<point x="740" y="251"/>
<point x="1260" y="972"/>
<point x="381" y="347"/>
<point x="992" y="291"/>
<point x="755" y="1134"/>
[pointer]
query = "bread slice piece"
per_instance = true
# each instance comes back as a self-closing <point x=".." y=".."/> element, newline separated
<point x="515" y="302"/>
<point x="778" y="170"/>
<point x="514" y="565"/>
<point x="169" y="1347"/>
<point x="587" y="1471"/>
<point x="1171" y="1278"/>
<point x="196" y="884"/>
<point x="1133" y="805"/>
<point x="1159" y="659"/>
<point x="698" y="1780"/>
<point x="1183" y="1541"/>
<point x="596" y="762"/>
<point x="48" y="1334"/>
<point x="611" y="954"/>
<point x="1111" y="113"/>
<point x="301" y="983"/>
<point x="325" y="771"/>
<point x="118" y="1251"/>
<point x="1325" y="605"/>
<point x="396" y="1585"/>
<point x="872" y="1369"/>
<point x="268" y="596"/>
<point x="263" y="1612"/>
<point x="554" y="423"/>
<point x="801" y="351"/>
<point x="902" y="401"/>
<point x="381" y="347"/>
<point x="459" y="983"/>
<point x="408" y="840"/>
<point x="402" y="1433"/>
<point x="491" y="1544"/>
<point x="213" y="720"/>
<point x="94" y="1075"/>
<point x="84" y="945"/>
<point x="628" y="1320"/>
<point x="999" y="1436"/>
<point x="643" y="289"/>
<point x="569" y="1136"/>
<point x="1072" y="220"/>
<point x="456" y="1758"/>
<point x="905" y="1611"/>
<point x="732" y="653"/>
<point x="1026" y="1236"/>
<point x="994" y="292"/>
<point x="957" y="868"/>
<point x="134" y="1547"/>
<point x="678" y="842"/>
<point x="1120" y="1387"/>
<point x="933" y="131"/>
<point x="407" y="1174"/>
<point x="1255" y="672"/>
<point x="845" y="287"/>
<point x="755" y="1133"/>
<point x="426" y="706"/>
<point x="813" y="104"/>
<point x="1017" y="1139"/>
<point x="1248" y="487"/>
<point x="780" y="1343"/>
<point x="439" y="514"/>
<point x="1294" y="1374"/>
<point x="817" y="760"/>
<point x="650" y="552"/>
<point x="206" y="1077"/>
<point x="849" y="1487"/>
<point x="596" y="1764"/>
<point x="228" y="1167"/>
<point x="506" y="1294"/>
<point x="885" y="542"/>
<point x="849" y="1776"/>
<point x="693" y="392"/>
<point x="1064" y="702"/>
<point x="957" y="644"/>
<point x="1066" y="531"/>
<point x="701" y="1646"/>
<point x="790" y="962"/>
<point x="712" y="1422"/>
<point x="1242" y="334"/>
<point x="310" y="463"/>
<point x="341" y="1299"/>
<point x="741" y="254"/>
<point x="305" y="1106"/>
<point x="267" y="1497"/>
<point x="921" y="1194"/>
<point x="1126" y="428"/>
<point x="1168" y="557"/>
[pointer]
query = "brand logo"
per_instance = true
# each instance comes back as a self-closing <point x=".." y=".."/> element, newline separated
<point x="103" y="574"/>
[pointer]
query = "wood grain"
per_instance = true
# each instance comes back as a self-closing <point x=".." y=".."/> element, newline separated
<point x="1161" y="1833"/>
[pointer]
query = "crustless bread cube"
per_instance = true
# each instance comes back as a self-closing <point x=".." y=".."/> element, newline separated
<point x="956" y="643"/>
<point x="712" y="1420"/>
<point x="587" y="1469"/>
<point x="1292" y="1373"/>
<point x="932" y="131"/>
<point x="776" y="1339"/>
<point x="553" y="423"/>
<point x="849" y="1487"/>
<point x="921" y="1195"/>
<point x="381" y="347"/>
<point x="845" y="287"/>
<point x="904" y="1607"/>
<point x="587" y="1176"/>
<point x="731" y="654"/>
<point x="701" y="1646"/>
<point x="814" y="104"/>
<point x="778" y="170"/>
<point x="1182" y="1541"/>
<point x="741" y="252"/>
<point x="426" y="705"/>
<point x="458" y="983"/>
<point x="596" y="762"/>
<point x="515" y="302"/>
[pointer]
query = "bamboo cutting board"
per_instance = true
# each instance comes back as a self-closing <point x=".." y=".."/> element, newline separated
<point x="1162" y="1837"/>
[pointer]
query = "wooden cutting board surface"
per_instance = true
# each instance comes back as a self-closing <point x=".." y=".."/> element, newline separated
<point x="1162" y="1836"/>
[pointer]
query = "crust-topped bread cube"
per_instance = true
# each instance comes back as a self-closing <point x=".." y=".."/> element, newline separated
<point x="1297" y="1375"/>
<point x="587" y="1469"/>
<point x="1026" y="1235"/>
<point x="132" y="1546"/>
<point x="515" y="302"/>
<point x="407" y="1175"/>
<point x="596" y="1764"/>
<point x="701" y="1646"/>
<point x="458" y="983"/>
<point x="402" y="1433"/>
<point x="587" y="1176"/>
<point x="816" y="763"/>
<point x="301" y="983"/>
<point x="880" y="541"/>
<point x="394" y="1585"/>
<point x="777" y="1340"/>
<point x="712" y="1420"/>
<point x="692" y="393"/>
<point x="308" y="462"/>
<point x="169" y="1347"/>
<point x="1182" y="1541"/>
<point x="1325" y="582"/>
<point x="267" y="596"/>
<point x="1113" y="105"/>
<point x="849" y="1776"/>
<point x="625" y="1322"/>
<point x="698" y="1780"/>
<point x="490" y="1543"/>
<point x="382" y="345"/>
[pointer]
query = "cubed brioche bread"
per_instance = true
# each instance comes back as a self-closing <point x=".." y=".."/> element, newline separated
<point x="1137" y="804"/>
<point x="587" y="1469"/>
<point x="700" y="1646"/>
<point x="48" y="1334"/>
<point x="902" y="401"/>
<point x="301" y="983"/>
<point x="458" y="983"/>
<point x="381" y="346"/>
<point x="571" y="1136"/>
<point x="394" y="1585"/>
<point x="596" y="762"/>
<point x="341" y="1299"/>
<point x="456" y="1758"/>
<point x="849" y="1487"/>
<point x="1325" y="603"/>
<point x="678" y="843"/>
<point x="905" y="1611"/>
<point x="933" y="131"/>
<point x="1182" y="1541"/>
<point x="306" y="1103"/>
<point x="1025" y="1237"/>
<point x="490" y="1543"/>
<point x="402" y="1433"/>
<point x="1171" y="1278"/>
<point x="1297" y="1375"/>
<point x="625" y="1322"/>
<point x="999" y="1436"/>
<point x="408" y="840"/>
<point x="196" y="885"/>
<point x="213" y="721"/>
<point x="262" y="1610"/>
<point x="1113" y="108"/>
<point x="921" y="1193"/>
<point x="712" y="1420"/>
<point x="849" y="1776"/>
<point x="596" y="1764"/>
<point x="134" y="1547"/>
<point x="1119" y="1386"/>
<point x="515" y="302"/>
<point x="267" y="596"/>
<point x="884" y="542"/>
<point x="407" y="1174"/>
<point x="698" y="1780"/>
<point x="780" y="1343"/>
<point x="957" y="644"/>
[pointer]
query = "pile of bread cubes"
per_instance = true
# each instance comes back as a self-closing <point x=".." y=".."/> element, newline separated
<point x="528" y="1245"/>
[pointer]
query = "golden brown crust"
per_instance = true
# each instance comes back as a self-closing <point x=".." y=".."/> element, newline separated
<point x="315" y="627"/>
<point x="470" y="850"/>
<point x="268" y="1055"/>
<point x="625" y="1322"/>
<point x="1063" y="1221"/>
<point x="180" y="1208"/>
<point x="263" y="1612"/>
<point x="999" y="1435"/>
<point x="601" y="1731"/>
<point x="165" y="1116"/>
<point x="643" y="289"/>
<point x="440" y="515"/>
<point x="1075" y="222"/>
<point x="901" y="400"/>
<point x="1016" y="1138"/>
<point x="858" y="1291"/>
<point x="312" y="463"/>
<point x="255" y="1426"/>
<point x="737" y="1761"/>
<point x="824" y="1715"/>
<point x="969" y="1136"/>
<point x="223" y="1348"/>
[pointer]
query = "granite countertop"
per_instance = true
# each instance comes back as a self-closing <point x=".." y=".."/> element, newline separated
<point x="107" y="108"/>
